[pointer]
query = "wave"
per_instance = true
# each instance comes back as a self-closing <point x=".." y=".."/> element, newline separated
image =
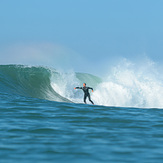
<point x="123" y="86"/>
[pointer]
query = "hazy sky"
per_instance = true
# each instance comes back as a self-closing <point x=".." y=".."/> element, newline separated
<point x="85" y="35"/>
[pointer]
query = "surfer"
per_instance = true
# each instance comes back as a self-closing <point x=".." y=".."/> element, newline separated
<point x="86" y="92"/>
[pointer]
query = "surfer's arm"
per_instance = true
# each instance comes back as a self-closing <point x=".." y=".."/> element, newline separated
<point x="90" y="88"/>
<point x="78" y="88"/>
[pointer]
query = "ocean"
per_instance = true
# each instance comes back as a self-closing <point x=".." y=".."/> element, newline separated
<point x="43" y="119"/>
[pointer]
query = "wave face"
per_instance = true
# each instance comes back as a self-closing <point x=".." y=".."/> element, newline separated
<point x="27" y="81"/>
<point x="122" y="87"/>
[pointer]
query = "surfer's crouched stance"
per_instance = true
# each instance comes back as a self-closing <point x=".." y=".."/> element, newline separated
<point x="86" y="92"/>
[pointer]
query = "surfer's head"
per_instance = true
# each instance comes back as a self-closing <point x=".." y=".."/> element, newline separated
<point x="84" y="84"/>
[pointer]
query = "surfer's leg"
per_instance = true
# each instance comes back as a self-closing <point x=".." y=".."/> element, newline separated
<point x="85" y="99"/>
<point x="90" y="99"/>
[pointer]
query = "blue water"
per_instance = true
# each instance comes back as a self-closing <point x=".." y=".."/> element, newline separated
<point x="36" y="129"/>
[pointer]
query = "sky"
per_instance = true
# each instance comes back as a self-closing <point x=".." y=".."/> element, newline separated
<point x="83" y="35"/>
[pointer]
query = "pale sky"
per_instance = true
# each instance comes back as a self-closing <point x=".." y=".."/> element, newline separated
<point x="85" y="35"/>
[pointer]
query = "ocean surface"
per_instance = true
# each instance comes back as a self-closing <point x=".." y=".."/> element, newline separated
<point x="43" y="119"/>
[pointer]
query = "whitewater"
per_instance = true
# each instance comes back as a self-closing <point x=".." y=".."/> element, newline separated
<point x="122" y="86"/>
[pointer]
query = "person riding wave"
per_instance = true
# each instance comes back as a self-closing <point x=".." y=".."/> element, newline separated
<point x="86" y="92"/>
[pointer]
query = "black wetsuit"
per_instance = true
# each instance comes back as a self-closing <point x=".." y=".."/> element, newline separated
<point x="86" y="93"/>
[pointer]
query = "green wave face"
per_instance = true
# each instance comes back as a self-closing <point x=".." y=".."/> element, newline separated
<point x="41" y="82"/>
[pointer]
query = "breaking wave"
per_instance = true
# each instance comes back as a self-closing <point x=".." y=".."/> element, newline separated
<point x="123" y="86"/>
